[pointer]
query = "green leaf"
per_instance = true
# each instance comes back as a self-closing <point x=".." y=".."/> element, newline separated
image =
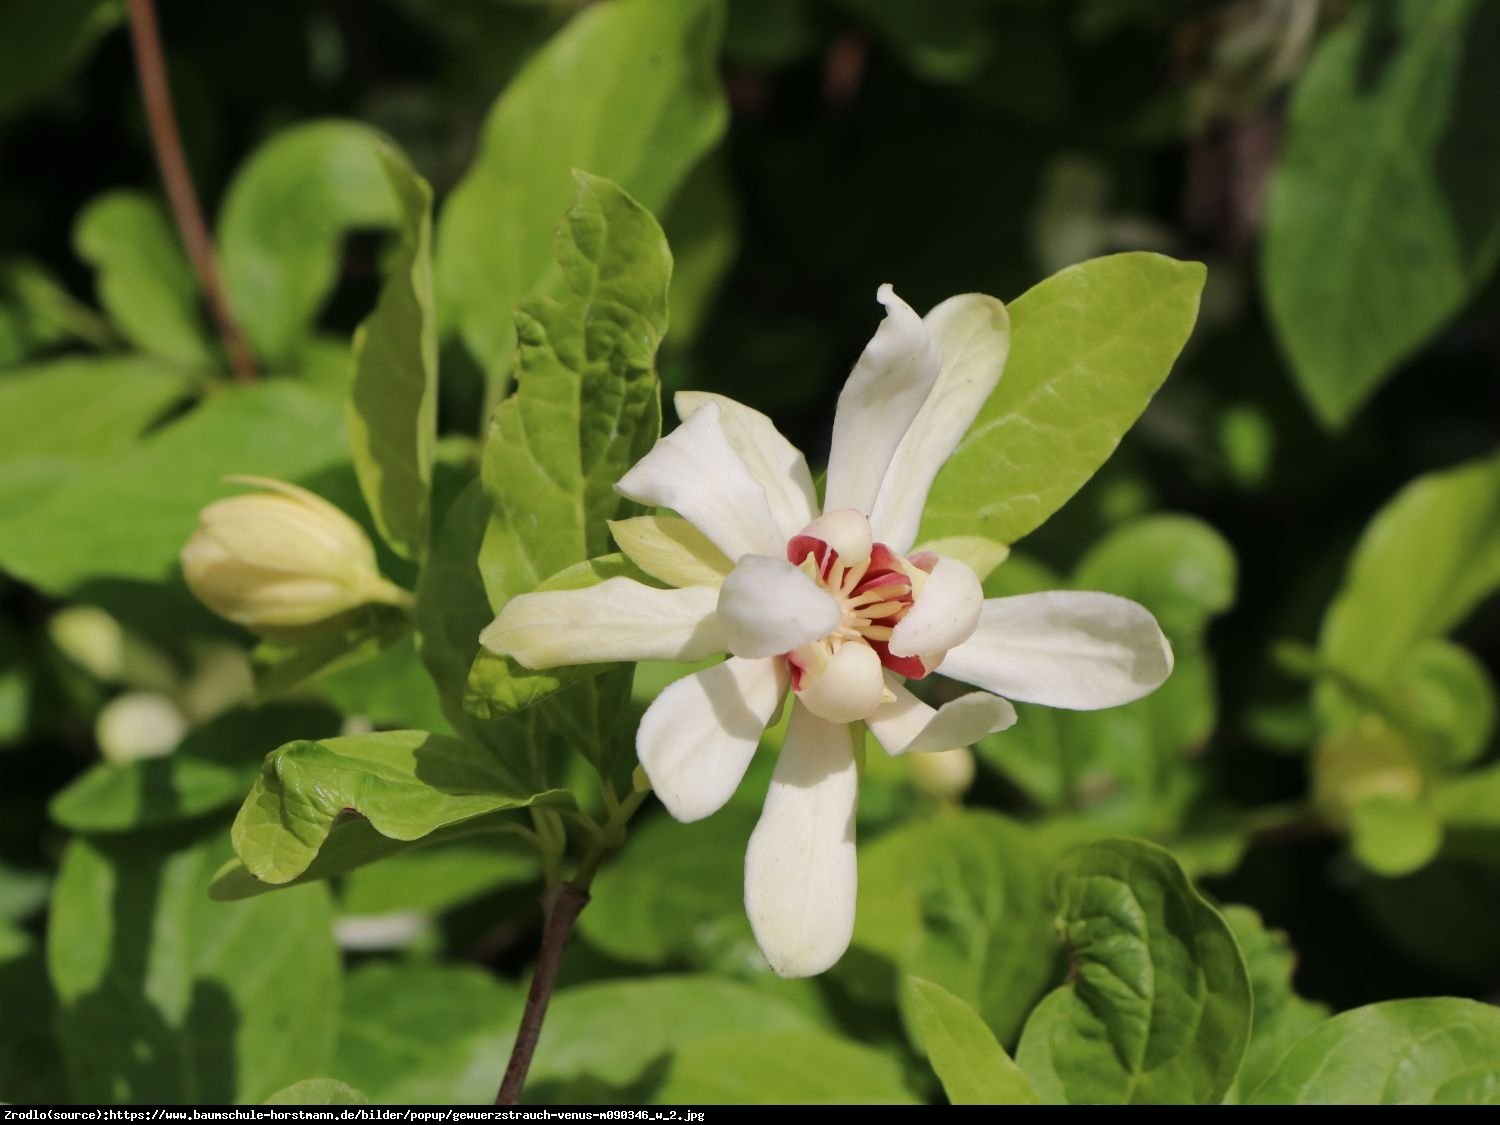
<point x="210" y="770"/>
<point x="1157" y="1006"/>
<point x="145" y="281"/>
<point x="1424" y="562"/>
<point x="1384" y="211"/>
<point x="32" y="1071"/>
<point x="391" y="690"/>
<point x="973" y="1067"/>
<point x="1394" y="835"/>
<point x="405" y="784"/>
<point x="426" y="1034"/>
<point x="58" y="418"/>
<point x="132" y="520"/>
<point x="781" y="1068"/>
<point x="1089" y="347"/>
<point x="43" y="41"/>
<point x="1445" y="695"/>
<point x="1281" y="1016"/>
<point x="1400" y="1052"/>
<point x="627" y="90"/>
<point x="703" y="228"/>
<point x="392" y="409"/>
<point x="167" y="997"/>
<point x="294" y="657"/>
<point x="284" y="220"/>
<point x="437" y="877"/>
<point x="317" y="1091"/>
<point x="960" y="901"/>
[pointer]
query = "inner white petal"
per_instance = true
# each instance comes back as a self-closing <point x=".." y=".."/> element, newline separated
<point x="768" y="607"/>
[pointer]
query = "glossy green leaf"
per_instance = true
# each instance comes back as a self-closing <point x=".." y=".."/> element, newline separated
<point x="144" y="279"/>
<point x="1400" y="1052"/>
<point x="1423" y="563"/>
<point x="426" y="1034"/>
<point x="317" y="1091"/>
<point x="1281" y="1016"/>
<point x="43" y="41"/>
<point x="973" y="1067"/>
<point x="167" y="997"/>
<point x="131" y="521"/>
<point x="392" y="410"/>
<point x="211" y="770"/>
<point x="283" y="224"/>
<point x="1089" y="347"/>
<point x="627" y="90"/>
<point x="1157" y="1007"/>
<point x="1384" y="212"/>
<point x="960" y="901"/>
<point x="405" y="784"/>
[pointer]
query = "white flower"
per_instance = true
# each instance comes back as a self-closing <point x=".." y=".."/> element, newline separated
<point x="836" y="606"/>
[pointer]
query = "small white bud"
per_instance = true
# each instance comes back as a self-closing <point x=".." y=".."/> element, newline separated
<point x="944" y="774"/>
<point x="281" y="559"/>
<point x="139" y="724"/>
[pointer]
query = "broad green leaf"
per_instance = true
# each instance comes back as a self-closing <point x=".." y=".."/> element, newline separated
<point x="1089" y="347"/>
<point x="292" y="658"/>
<point x="960" y="901"/>
<point x="1384" y="211"/>
<point x="426" y="1034"/>
<point x="392" y="409"/>
<point x="131" y="521"/>
<point x="1401" y="1052"/>
<point x="43" y="41"/>
<point x="627" y="90"/>
<point x="702" y="226"/>
<point x="613" y="1037"/>
<point x="675" y="892"/>
<point x="168" y="997"/>
<point x="1157" y="1006"/>
<point x="973" y="1067"/>
<point x="1394" y="835"/>
<point x="144" y="279"/>
<point x="211" y="770"/>
<point x="1424" y="562"/>
<point x="1281" y="1016"/>
<point x="391" y="690"/>
<point x="587" y="407"/>
<point x="405" y="784"/>
<point x="58" y="418"/>
<point x="283" y="224"/>
<point x="32" y="1071"/>
<point x="1445" y="695"/>
<point x="781" y="1068"/>
<point x="317" y="1091"/>
<point x="437" y="877"/>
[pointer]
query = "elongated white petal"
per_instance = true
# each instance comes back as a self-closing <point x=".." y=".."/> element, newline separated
<point x="800" y="873"/>
<point x="883" y="394"/>
<point x="972" y="333"/>
<point x="767" y="607"/>
<point x="620" y="619"/>
<point x="848" y="687"/>
<point x="775" y="462"/>
<point x="696" y="472"/>
<point x="1077" y="650"/>
<point x="944" y="614"/>
<point x="671" y="550"/>
<point x="846" y="531"/>
<point x="909" y="726"/>
<point x="696" y="741"/>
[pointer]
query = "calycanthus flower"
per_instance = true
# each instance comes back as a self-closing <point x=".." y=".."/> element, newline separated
<point x="836" y="607"/>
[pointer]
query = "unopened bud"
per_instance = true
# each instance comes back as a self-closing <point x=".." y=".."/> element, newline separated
<point x="944" y="774"/>
<point x="139" y="724"/>
<point x="281" y="559"/>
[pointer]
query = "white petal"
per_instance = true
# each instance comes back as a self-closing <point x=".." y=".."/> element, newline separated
<point x="972" y="333"/>
<point x="775" y="462"/>
<point x="909" y="726"/>
<point x="616" y="620"/>
<point x="846" y="531"/>
<point x="671" y="550"/>
<point x="800" y="873"/>
<point x="696" y="472"/>
<point x="883" y="394"/>
<point x="1078" y="650"/>
<point x="767" y="607"/>
<point x="848" y="688"/>
<point x="696" y="741"/>
<point x="944" y="614"/>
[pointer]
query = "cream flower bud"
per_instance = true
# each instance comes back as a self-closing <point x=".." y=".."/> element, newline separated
<point x="944" y="774"/>
<point x="281" y="559"/>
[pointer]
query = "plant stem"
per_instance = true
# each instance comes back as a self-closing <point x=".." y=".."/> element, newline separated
<point x="151" y="69"/>
<point x="567" y="903"/>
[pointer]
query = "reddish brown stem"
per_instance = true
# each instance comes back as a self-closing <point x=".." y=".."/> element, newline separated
<point x="167" y="141"/>
<point x="567" y="904"/>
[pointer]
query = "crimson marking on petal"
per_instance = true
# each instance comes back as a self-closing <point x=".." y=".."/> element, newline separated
<point x="911" y="667"/>
<point x="923" y="560"/>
